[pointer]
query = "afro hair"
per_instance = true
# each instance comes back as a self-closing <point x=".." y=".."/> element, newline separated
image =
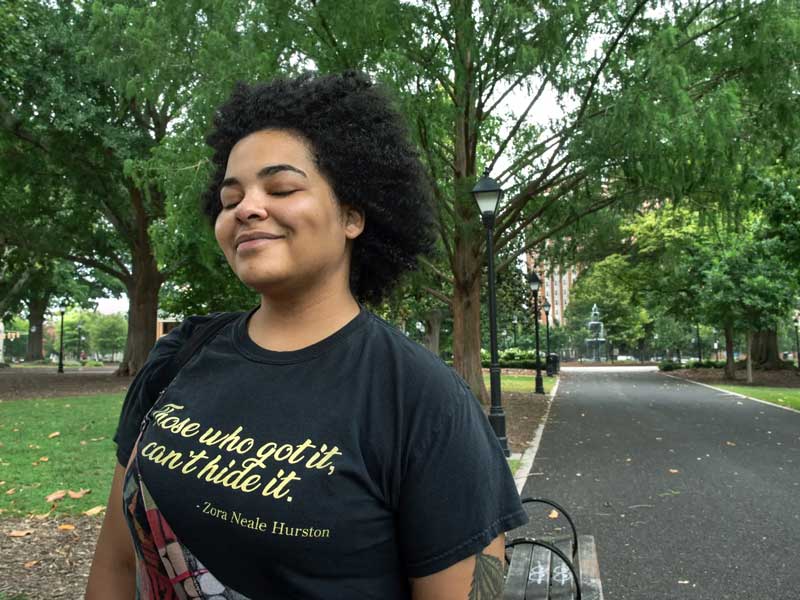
<point x="360" y="144"/>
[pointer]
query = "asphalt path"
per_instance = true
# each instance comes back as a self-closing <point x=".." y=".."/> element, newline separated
<point x="690" y="492"/>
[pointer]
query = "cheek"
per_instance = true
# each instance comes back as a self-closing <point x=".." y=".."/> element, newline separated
<point x="221" y="229"/>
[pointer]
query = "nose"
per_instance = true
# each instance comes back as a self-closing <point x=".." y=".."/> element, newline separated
<point x="252" y="206"/>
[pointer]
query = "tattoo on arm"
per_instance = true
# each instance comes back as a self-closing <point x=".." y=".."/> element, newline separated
<point x="487" y="580"/>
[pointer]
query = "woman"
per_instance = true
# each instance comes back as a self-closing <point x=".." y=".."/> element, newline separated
<point x="308" y="450"/>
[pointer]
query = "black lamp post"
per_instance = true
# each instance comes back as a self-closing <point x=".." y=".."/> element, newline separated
<point x="487" y="194"/>
<point x="61" y="310"/>
<point x="699" y="345"/>
<point x="535" y="282"/>
<point x="547" y="361"/>
<point x="797" y="340"/>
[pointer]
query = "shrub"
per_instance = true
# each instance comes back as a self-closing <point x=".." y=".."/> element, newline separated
<point x="668" y="365"/>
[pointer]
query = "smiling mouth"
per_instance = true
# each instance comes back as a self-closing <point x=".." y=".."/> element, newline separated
<point x="255" y="243"/>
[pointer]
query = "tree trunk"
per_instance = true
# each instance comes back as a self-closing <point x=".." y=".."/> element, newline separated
<point x="142" y="286"/>
<point x="36" y="308"/>
<point x="142" y="317"/>
<point x="467" y="336"/>
<point x="433" y="328"/>
<point x="765" y="350"/>
<point x="730" y="363"/>
<point x="749" y="357"/>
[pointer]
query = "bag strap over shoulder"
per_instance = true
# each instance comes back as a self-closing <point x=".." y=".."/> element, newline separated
<point x="198" y="338"/>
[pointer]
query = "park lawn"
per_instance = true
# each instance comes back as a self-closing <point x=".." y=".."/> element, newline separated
<point x="777" y="395"/>
<point x="81" y="456"/>
<point x="521" y="383"/>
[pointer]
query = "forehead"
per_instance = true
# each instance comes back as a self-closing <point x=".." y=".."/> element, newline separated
<point x="271" y="146"/>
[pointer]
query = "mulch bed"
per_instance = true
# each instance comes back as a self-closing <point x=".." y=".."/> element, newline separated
<point x="524" y="411"/>
<point x="50" y="562"/>
<point x="54" y="563"/>
<point x="26" y="383"/>
<point x="788" y="378"/>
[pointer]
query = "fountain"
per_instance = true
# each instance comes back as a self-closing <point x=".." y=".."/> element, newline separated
<point x="598" y="334"/>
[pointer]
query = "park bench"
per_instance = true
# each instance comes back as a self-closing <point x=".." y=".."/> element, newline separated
<point x="547" y="568"/>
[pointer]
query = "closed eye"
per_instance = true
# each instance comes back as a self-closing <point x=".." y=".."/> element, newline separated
<point x="282" y="194"/>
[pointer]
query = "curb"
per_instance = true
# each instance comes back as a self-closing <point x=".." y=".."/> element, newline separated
<point x="526" y="463"/>
<point x="789" y="408"/>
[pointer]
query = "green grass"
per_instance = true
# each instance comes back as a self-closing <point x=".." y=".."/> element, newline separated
<point x="70" y="365"/>
<point x="781" y="396"/>
<point x="4" y="596"/>
<point x="521" y="383"/>
<point x="81" y="456"/>
<point x="513" y="464"/>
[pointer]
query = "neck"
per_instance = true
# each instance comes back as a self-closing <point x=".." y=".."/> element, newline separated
<point x="284" y="324"/>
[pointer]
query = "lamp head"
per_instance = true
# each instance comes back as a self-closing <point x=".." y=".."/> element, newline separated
<point x="534" y="281"/>
<point x="487" y="193"/>
<point x="546" y="307"/>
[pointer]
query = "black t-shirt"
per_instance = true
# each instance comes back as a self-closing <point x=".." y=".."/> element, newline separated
<point x="335" y="471"/>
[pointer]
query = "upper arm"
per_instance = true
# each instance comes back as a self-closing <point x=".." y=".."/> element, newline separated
<point x="113" y="570"/>
<point x="478" y="577"/>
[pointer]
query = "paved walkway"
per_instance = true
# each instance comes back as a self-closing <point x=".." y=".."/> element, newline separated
<point x="690" y="492"/>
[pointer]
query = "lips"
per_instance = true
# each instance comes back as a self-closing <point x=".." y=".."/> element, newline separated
<point x="253" y="236"/>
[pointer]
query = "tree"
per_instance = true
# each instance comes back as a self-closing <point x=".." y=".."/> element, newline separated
<point x="655" y="112"/>
<point x="93" y="132"/>
<point x="607" y="284"/>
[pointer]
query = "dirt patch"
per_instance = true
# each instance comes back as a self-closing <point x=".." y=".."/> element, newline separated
<point x="27" y="383"/>
<point x="783" y="378"/>
<point x="524" y="412"/>
<point x="49" y="562"/>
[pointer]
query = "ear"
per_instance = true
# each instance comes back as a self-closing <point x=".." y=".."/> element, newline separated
<point x="354" y="222"/>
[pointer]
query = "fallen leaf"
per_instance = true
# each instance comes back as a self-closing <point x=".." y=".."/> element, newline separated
<point x="30" y="564"/>
<point x="97" y="439"/>
<point x="11" y="491"/>
<point x="2" y="482"/>
<point x="20" y="532"/>
<point x="34" y="446"/>
<point x="673" y="471"/>
<point x="94" y="511"/>
<point x="83" y="442"/>
<point x="66" y="527"/>
<point x="42" y="516"/>
<point x="54" y="434"/>
<point x="57" y="495"/>
<point x="553" y="514"/>
<point x="43" y="459"/>
<point x="731" y="443"/>
<point x="80" y="494"/>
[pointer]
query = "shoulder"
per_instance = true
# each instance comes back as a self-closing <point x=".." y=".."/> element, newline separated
<point x="426" y="376"/>
<point x="168" y="345"/>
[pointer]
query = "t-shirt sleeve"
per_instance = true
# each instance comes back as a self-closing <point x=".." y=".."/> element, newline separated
<point x="457" y="493"/>
<point x="137" y="400"/>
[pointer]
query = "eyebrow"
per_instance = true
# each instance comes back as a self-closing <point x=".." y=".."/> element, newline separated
<point x="267" y="171"/>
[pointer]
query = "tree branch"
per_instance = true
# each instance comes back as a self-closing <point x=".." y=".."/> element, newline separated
<point x="444" y="277"/>
<point x="530" y="245"/>
<point x="124" y="277"/>
<point x="19" y="284"/>
<point x="440" y="296"/>
<point x="517" y="125"/>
